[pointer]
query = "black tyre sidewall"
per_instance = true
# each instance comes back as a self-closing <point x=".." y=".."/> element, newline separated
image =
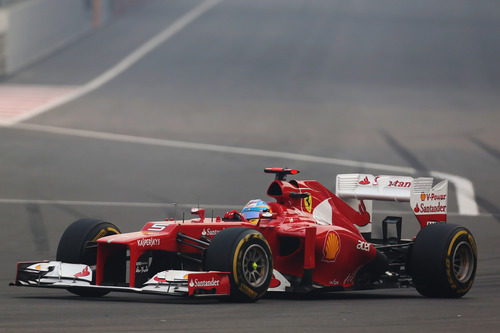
<point x="431" y="264"/>
<point x="72" y="247"/>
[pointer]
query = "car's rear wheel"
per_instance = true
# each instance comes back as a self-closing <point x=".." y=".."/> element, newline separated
<point x="245" y="253"/>
<point x="78" y="245"/>
<point x="443" y="261"/>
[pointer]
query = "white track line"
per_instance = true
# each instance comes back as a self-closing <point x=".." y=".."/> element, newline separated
<point x="464" y="187"/>
<point x="123" y="65"/>
<point x="211" y="147"/>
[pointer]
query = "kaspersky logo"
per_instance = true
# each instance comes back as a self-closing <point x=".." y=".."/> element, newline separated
<point x="147" y="242"/>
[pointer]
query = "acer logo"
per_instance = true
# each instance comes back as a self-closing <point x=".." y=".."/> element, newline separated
<point x="363" y="246"/>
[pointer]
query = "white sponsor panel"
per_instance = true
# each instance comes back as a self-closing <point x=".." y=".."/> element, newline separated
<point x="424" y="199"/>
<point x="278" y="282"/>
<point x="169" y="276"/>
<point x="384" y="187"/>
<point x="322" y="213"/>
<point x="432" y="202"/>
<point x="59" y="270"/>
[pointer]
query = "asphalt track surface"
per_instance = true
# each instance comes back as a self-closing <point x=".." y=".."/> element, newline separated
<point x="389" y="82"/>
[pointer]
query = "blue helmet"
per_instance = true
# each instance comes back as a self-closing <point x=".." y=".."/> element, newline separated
<point x="253" y="209"/>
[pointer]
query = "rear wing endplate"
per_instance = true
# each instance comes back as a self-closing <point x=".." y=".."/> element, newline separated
<point x="428" y="202"/>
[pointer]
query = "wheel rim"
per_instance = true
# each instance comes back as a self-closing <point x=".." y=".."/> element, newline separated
<point x="255" y="265"/>
<point x="463" y="262"/>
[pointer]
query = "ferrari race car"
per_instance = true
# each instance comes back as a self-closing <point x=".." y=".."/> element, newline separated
<point x="308" y="240"/>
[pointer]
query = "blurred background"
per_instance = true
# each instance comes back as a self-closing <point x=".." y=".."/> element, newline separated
<point x="136" y="110"/>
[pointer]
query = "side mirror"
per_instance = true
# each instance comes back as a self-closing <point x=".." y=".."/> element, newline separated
<point x="200" y="212"/>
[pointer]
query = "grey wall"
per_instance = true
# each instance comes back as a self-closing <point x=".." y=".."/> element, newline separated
<point x="38" y="27"/>
<point x="32" y="29"/>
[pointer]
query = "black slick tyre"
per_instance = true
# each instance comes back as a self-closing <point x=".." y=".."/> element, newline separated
<point x="443" y="261"/>
<point x="78" y="245"/>
<point x="245" y="253"/>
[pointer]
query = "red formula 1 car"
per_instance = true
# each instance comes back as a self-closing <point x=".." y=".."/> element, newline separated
<point x="309" y="240"/>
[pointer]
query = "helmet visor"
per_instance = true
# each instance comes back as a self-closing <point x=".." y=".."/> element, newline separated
<point x="251" y="215"/>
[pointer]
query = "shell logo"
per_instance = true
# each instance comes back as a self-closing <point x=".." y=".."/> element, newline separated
<point x="331" y="248"/>
<point x="422" y="196"/>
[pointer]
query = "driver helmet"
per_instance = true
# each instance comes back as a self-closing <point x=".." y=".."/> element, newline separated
<point x="253" y="208"/>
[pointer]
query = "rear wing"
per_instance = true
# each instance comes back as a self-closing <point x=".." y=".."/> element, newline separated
<point x="428" y="203"/>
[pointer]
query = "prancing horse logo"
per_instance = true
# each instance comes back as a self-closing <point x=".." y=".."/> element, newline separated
<point x="308" y="203"/>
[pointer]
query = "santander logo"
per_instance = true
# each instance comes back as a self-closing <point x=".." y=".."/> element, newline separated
<point x="416" y="209"/>
<point x="209" y="232"/>
<point x="274" y="283"/>
<point x="159" y="279"/>
<point x="364" y="181"/>
<point x="83" y="273"/>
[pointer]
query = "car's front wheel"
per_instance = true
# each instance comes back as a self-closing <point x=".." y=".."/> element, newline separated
<point x="245" y="253"/>
<point x="78" y="245"/>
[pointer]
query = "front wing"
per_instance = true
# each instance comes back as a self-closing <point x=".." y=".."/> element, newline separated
<point x="56" y="274"/>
